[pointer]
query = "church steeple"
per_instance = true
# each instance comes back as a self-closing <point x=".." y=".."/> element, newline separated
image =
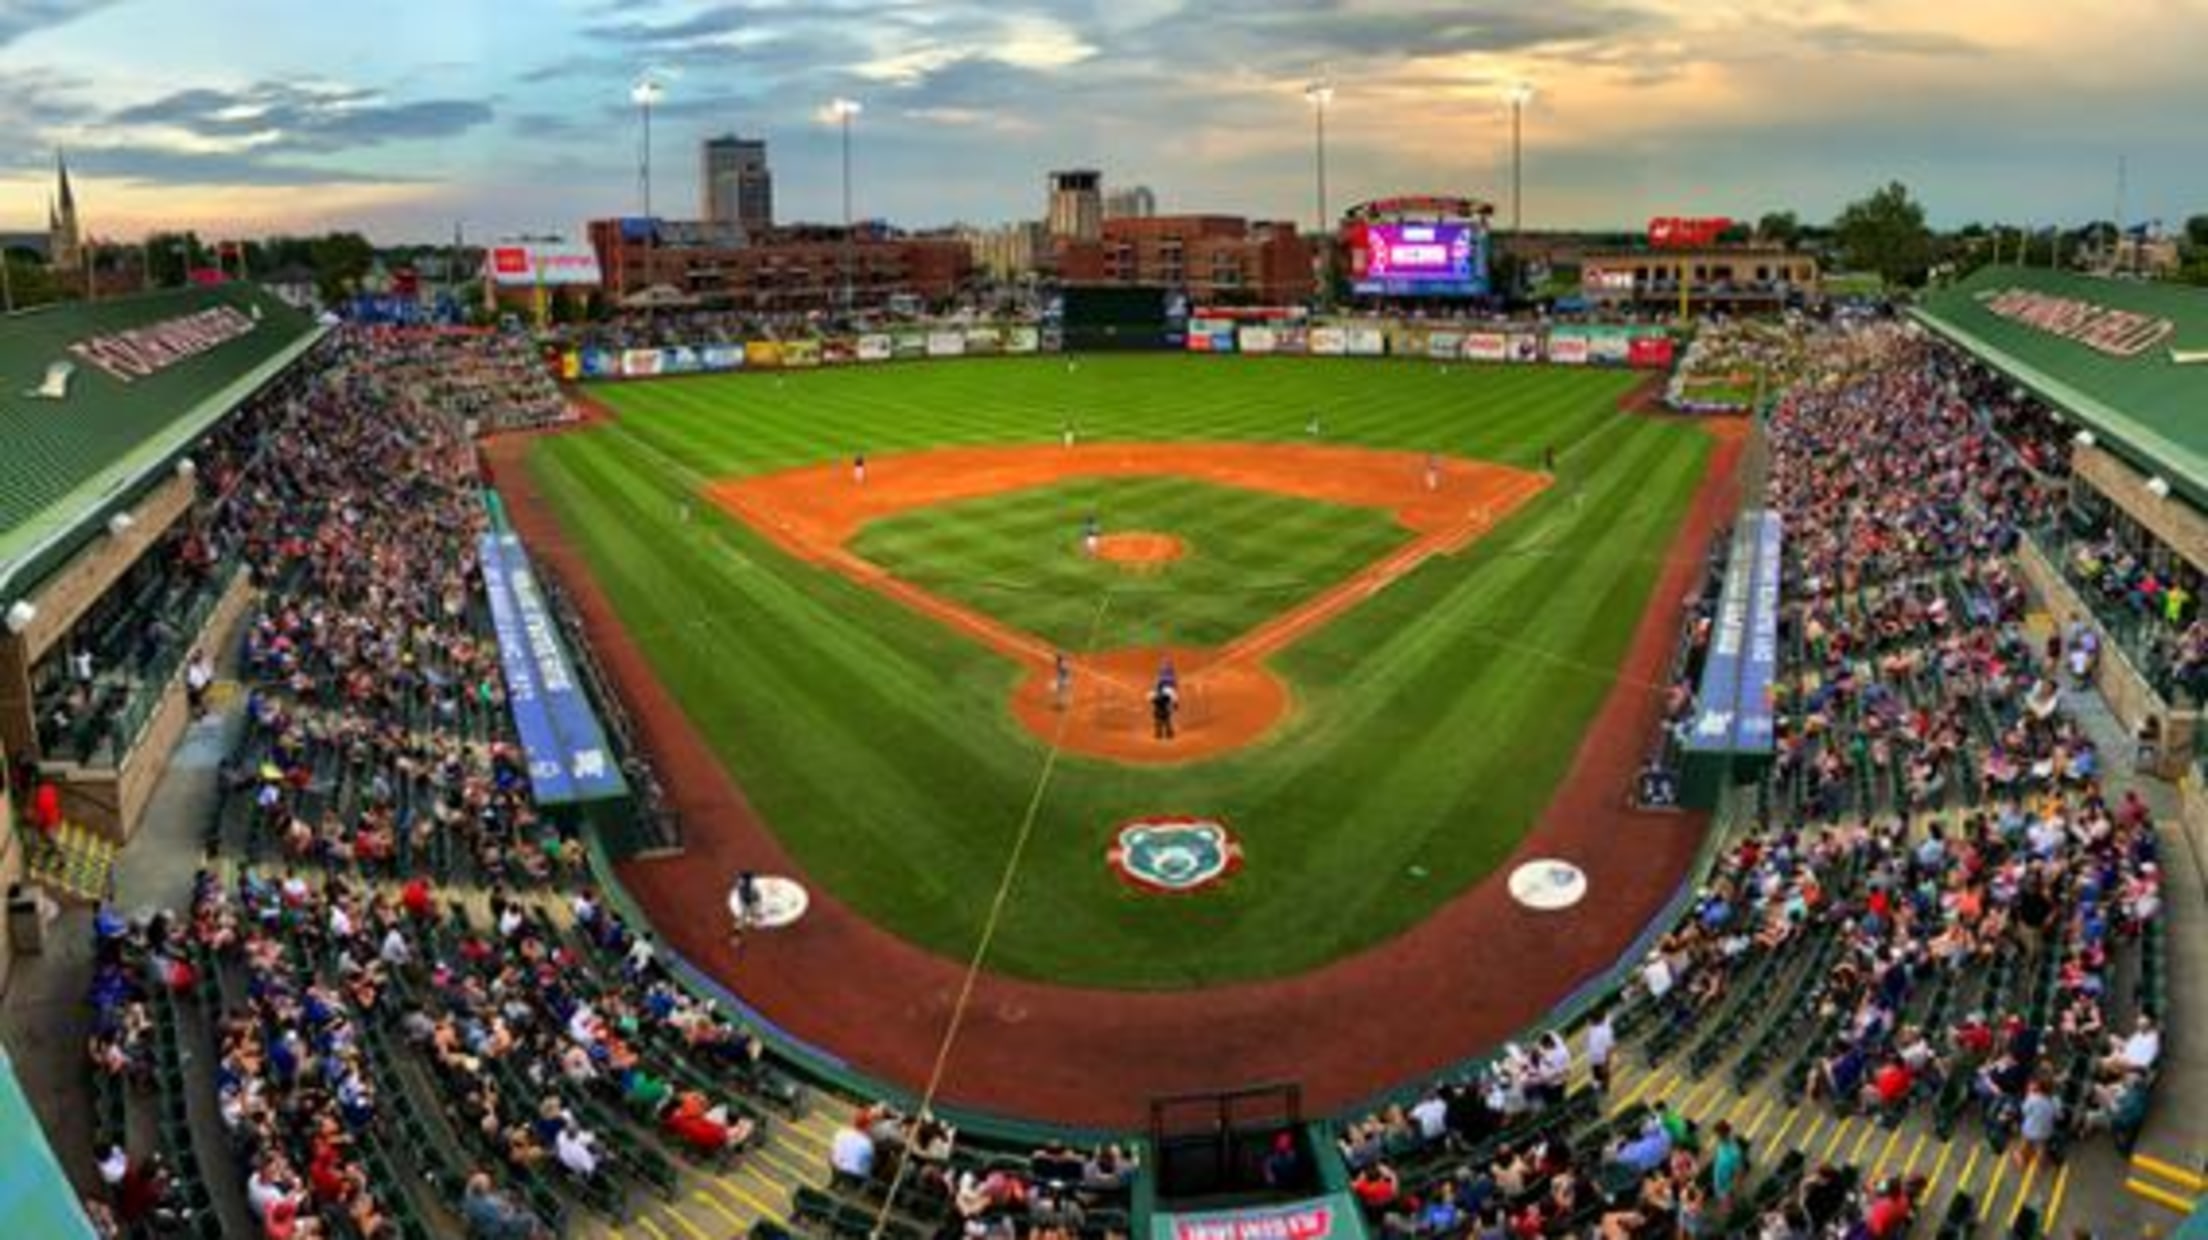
<point x="64" y="240"/>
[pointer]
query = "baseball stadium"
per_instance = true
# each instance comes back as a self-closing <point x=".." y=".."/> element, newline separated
<point x="1368" y="759"/>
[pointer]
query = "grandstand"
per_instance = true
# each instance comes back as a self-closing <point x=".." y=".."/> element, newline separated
<point x="367" y="962"/>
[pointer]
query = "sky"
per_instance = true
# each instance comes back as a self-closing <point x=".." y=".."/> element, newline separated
<point x="405" y="118"/>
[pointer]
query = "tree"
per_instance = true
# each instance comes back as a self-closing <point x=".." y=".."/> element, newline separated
<point x="30" y="281"/>
<point x="1779" y="228"/>
<point x="1886" y="233"/>
<point x="2196" y="232"/>
<point x="340" y="260"/>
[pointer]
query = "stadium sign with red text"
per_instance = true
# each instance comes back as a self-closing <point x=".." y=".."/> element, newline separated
<point x="1671" y="232"/>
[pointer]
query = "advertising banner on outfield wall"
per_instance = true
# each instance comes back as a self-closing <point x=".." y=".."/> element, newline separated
<point x="839" y="350"/>
<point x="1329" y="341"/>
<point x="946" y="344"/>
<point x="912" y="344"/>
<point x="1258" y="340"/>
<point x="601" y="363"/>
<point x="1291" y="338"/>
<point x="1566" y="349"/>
<point x="1405" y="339"/>
<point x="877" y="348"/>
<point x="1022" y="339"/>
<point x="1444" y="346"/>
<point x="1649" y="352"/>
<point x="569" y="760"/>
<point x="1487" y="347"/>
<point x="1759" y="664"/>
<point x="1609" y="347"/>
<point x="758" y="353"/>
<point x="1366" y="340"/>
<point x="722" y="356"/>
<point x="1211" y="335"/>
<point x="680" y="360"/>
<point x="1525" y="347"/>
<point x="801" y="353"/>
<point x="640" y="363"/>
<point x="571" y="365"/>
<point x="983" y="341"/>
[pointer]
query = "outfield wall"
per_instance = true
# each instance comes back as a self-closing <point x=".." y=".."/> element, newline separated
<point x="1639" y="346"/>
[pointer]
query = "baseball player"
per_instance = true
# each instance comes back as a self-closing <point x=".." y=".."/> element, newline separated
<point x="858" y="469"/>
<point x="1092" y="536"/>
<point x="1061" y="680"/>
<point x="1433" y="471"/>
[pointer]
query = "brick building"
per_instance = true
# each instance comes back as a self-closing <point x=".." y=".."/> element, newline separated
<point x="789" y="269"/>
<point x="1211" y="257"/>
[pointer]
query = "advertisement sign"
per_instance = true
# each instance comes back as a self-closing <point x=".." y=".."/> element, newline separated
<point x="762" y="353"/>
<point x="984" y="341"/>
<point x="1671" y="232"/>
<point x="1022" y="340"/>
<point x="722" y="356"/>
<point x="640" y="363"/>
<point x="571" y="365"/>
<point x="1525" y="347"/>
<point x="1444" y="346"/>
<point x="1649" y="353"/>
<point x="946" y="344"/>
<point x="567" y="754"/>
<point x="1759" y="665"/>
<point x="1487" y="347"/>
<point x="837" y="350"/>
<point x="1332" y="1217"/>
<point x="804" y="353"/>
<point x="525" y="264"/>
<point x="1437" y="259"/>
<point x="680" y="360"/>
<point x="876" y="348"/>
<point x="1292" y="338"/>
<point x="1365" y="340"/>
<point x="1608" y="346"/>
<point x="1567" y="348"/>
<point x="601" y="363"/>
<point x="1258" y="340"/>
<point x="1329" y="341"/>
<point x="911" y="344"/>
<point x="1208" y="335"/>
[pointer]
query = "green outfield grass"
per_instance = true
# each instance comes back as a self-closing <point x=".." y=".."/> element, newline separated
<point x="1018" y="557"/>
<point x="1432" y="721"/>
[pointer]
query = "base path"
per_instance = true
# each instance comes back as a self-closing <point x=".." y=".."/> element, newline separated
<point x="1480" y="970"/>
<point x="1230" y="699"/>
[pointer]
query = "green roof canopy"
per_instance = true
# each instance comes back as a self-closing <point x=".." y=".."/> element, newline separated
<point x="2109" y="353"/>
<point x="96" y="397"/>
<point x="36" y="1198"/>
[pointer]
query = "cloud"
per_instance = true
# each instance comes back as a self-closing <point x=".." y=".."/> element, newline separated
<point x="19" y="18"/>
<point x="169" y="166"/>
<point x="303" y="118"/>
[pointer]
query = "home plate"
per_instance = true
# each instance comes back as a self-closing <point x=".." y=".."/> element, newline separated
<point x="1548" y="884"/>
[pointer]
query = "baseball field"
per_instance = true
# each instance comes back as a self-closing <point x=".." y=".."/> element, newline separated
<point x="864" y="658"/>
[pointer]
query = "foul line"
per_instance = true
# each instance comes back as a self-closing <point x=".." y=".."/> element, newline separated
<point x="981" y="948"/>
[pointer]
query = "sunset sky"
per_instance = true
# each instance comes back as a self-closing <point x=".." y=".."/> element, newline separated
<point x="401" y="117"/>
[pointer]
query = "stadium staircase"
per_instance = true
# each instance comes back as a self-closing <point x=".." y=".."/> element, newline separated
<point x="76" y="864"/>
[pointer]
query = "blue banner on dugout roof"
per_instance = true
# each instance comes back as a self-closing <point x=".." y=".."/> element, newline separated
<point x="1734" y="711"/>
<point x="569" y="760"/>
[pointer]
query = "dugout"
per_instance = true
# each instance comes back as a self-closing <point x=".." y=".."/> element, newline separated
<point x="107" y="581"/>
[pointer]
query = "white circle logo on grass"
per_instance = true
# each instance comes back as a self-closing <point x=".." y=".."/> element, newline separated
<point x="1548" y="884"/>
<point x="1175" y="855"/>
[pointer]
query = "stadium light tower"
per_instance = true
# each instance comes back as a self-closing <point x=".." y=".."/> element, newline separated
<point x="646" y="92"/>
<point x="1320" y="93"/>
<point x="1520" y="95"/>
<point x="841" y="111"/>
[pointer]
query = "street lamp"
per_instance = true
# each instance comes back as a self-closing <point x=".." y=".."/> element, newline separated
<point x="842" y="110"/>
<point x="644" y="94"/>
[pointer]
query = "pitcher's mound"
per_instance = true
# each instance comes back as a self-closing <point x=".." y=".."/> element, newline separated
<point x="1139" y="549"/>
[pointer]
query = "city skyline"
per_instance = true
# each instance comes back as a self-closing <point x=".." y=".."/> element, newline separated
<point x="516" y="117"/>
